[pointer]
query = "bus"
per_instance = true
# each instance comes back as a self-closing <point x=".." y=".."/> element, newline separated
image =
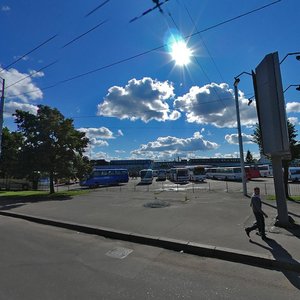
<point x="294" y="174"/>
<point x="252" y="172"/>
<point x="179" y="175"/>
<point x="161" y="175"/>
<point x="103" y="176"/>
<point x="196" y="173"/>
<point x="146" y="175"/>
<point x="265" y="170"/>
<point x="224" y="173"/>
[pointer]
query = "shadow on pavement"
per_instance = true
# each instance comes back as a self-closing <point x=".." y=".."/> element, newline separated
<point x="8" y="202"/>
<point x="280" y="254"/>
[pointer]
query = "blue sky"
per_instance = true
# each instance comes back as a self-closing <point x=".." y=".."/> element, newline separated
<point x="118" y="81"/>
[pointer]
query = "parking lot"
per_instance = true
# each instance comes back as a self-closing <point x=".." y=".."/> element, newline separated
<point x="266" y="186"/>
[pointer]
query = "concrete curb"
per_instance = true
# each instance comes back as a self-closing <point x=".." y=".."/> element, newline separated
<point x="249" y="258"/>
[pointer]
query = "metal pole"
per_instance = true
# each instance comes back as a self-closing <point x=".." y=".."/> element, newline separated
<point x="283" y="217"/>
<point x="1" y="113"/>
<point x="240" y="136"/>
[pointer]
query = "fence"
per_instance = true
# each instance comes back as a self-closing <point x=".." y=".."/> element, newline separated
<point x="134" y="185"/>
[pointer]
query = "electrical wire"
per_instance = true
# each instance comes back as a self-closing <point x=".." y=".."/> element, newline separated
<point x="34" y="49"/>
<point x="32" y="74"/>
<point x="83" y="34"/>
<point x="151" y="50"/>
<point x="99" y="6"/>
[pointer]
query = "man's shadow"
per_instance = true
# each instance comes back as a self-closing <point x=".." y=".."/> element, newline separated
<point x="280" y="254"/>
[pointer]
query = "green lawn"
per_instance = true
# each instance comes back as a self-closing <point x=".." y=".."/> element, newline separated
<point x="292" y="198"/>
<point x="41" y="194"/>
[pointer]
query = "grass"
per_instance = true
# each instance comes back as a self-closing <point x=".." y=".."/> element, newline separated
<point x="41" y="194"/>
<point x="291" y="198"/>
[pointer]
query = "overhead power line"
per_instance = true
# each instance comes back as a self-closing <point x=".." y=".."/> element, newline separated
<point x="157" y="6"/>
<point x="32" y="74"/>
<point x="34" y="49"/>
<point x="99" y="6"/>
<point x="83" y="34"/>
<point x="151" y="50"/>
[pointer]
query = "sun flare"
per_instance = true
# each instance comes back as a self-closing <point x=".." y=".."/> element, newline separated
<point x="180" y="53"/>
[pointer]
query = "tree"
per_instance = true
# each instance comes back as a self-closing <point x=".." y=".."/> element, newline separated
<point x="10" y="153"/>
<point x="249" y="157"/>
<point x="51" y="143"/>
<point x="294" y="147"/>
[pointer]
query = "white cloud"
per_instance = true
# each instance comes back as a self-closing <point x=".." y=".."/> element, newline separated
<point x="214" y="104"/>
<point x="5" y="8"/>
<point x="170" y="146"/>
<point x="120" y="151"/>
<point x="294" y="120"/>
<point x="143" y="99"/>
<point x="96" y="136"/>
<point x="293" y="107"/>
<point x="98" y="143"/>
<point x="120" y="132"/>
<point x="233" y="138"/>
<point x="35" y="74"/>
<point x="101" y="132"/>
<point x="10" y="108"/>
<point x="25" y="89"/>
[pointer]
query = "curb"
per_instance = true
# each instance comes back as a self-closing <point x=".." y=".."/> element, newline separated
<point x="233" y="255"/>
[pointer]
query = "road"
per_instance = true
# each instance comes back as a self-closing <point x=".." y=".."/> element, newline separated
<point x="42" y="262"/>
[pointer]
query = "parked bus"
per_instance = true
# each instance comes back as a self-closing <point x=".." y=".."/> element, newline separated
<point x="106" y="177"/>
<point x="179" y="175"/>
<point x="146" y="176"/>
<point x="224" y="173"/>
<point x="294" y="174"/>
<point x="265" y="170"/>
<point x="196" y="173"/>
<point x="162" y="175"/>
<point x="252" y="172"/>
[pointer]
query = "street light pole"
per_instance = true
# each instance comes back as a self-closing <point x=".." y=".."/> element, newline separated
<point x="1" y="113"/>
<point x="244" y="179"/>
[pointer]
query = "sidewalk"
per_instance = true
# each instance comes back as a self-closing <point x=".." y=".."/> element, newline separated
<point x="208" y="223"/>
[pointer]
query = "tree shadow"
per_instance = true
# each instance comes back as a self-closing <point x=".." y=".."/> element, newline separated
<point x="281" y="254"/>
<point x="11" y="202"/>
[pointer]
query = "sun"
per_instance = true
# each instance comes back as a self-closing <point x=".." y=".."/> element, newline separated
<point x="180" y="53"/>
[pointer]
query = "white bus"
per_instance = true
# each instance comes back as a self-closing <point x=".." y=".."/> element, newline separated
<point x="265" y="170"/>
<point x="294" y="174"/>
<point x="146" y="176"/>
<point x="179" y="175"/>
<point x="226" y="173"/>
<point x="196" y="173"/>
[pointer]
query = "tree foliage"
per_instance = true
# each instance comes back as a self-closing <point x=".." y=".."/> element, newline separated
<point x="249" y="157"/>
<point x="51" y="143"/>
<point x="294" y="148"/>
<point x="10" y="153"/>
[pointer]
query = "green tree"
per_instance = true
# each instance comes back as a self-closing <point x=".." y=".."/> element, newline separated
<point x="294" y="147"/>
<point x="10" y="153"/>
<point x="51" y="143"/>
<point x="249" y="157"/>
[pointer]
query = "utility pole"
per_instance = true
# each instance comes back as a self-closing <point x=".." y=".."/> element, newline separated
<point x="1" y="113"/>
<point x="244" y="179"/>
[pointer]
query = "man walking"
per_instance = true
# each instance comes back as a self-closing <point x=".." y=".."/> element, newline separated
<point x="258" y="213"/>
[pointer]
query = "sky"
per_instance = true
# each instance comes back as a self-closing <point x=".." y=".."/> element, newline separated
<point x="119" y="82"/>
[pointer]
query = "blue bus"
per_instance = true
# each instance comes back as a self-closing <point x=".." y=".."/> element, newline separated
<point x="106" y="177"/>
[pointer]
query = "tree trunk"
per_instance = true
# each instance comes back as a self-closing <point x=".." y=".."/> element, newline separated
<point x="51" y="179"/>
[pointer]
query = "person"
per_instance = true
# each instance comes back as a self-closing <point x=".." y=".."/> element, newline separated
<point x="258" y="213"/>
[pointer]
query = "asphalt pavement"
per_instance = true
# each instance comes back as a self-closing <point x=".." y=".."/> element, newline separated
<point x="201" y="222"/>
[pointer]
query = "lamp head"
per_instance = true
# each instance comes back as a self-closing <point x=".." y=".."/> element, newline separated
<point x="236" y="82"/>
<point x="298" y="88"/>
<point x="298" y="57"/>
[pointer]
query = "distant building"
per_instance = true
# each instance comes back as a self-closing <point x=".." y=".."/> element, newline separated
<point x="216" y="161"/>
